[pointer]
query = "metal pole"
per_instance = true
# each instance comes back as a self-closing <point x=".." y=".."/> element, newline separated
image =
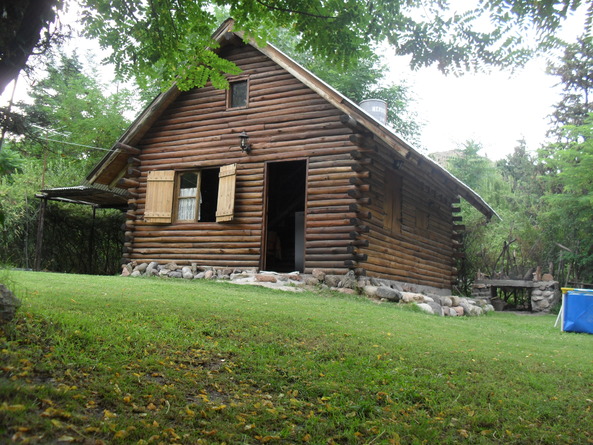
<point x="39" y="238"/>
<point x="92" y="242"/>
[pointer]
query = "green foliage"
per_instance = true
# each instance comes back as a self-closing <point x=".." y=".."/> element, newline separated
<point x="10" y="162"/>
<point x="170" y="41"/>
<point x="511" y="187"/>
<point x="574" y="72"/>
<point x="69" y="125"/>
<point x="124" y="360"/>
<point x="569" y="197"/>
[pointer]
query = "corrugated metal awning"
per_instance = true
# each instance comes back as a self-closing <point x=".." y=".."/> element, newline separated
<point x="110" y="198"/>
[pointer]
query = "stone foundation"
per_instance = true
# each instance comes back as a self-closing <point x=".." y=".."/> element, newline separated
<point x="427" y="299"/>
<point x="543" y="295"/>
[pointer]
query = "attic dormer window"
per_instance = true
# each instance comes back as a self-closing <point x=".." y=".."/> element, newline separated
<point x="238" y="94"/>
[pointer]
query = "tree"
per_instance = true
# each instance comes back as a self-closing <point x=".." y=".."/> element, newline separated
<point x="568" y="219"/>
<point x="166" y="39"/>
<point x="70" y="120"/>
<point x="25" y="26"/>
<point x="574" y="72"/>
<point x="169" y="40"/>
<point x="68" y="126"/>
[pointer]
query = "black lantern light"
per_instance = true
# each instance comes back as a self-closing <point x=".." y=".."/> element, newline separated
<point x="245" y="145"/>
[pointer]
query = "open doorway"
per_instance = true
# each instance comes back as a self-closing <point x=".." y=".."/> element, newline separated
<point x="285" y="216"/>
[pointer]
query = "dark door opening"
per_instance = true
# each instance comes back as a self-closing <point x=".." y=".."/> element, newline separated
<point x="285" y="221"/>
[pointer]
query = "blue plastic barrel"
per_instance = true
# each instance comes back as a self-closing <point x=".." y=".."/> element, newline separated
<point x="578" y="311"/>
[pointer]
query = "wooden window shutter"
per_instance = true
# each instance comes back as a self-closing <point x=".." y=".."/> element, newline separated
<point x="159" y="196"/>
<point x="226" y="193"/>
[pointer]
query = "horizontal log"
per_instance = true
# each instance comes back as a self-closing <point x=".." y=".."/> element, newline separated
<point x="133" y="172"/>
<point x="359" y="168"/>
<point x="362" y="228"/>
<point x="354" y="193"/>
<point x="128" y="183"/>
<point x="134" y="161"/>
<point x="360" y="257"/>
<point x="128" y="149"/>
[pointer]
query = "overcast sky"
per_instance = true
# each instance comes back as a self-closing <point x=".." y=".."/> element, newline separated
<point x="495" y="109"/>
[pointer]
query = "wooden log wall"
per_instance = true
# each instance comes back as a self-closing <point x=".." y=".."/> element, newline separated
<point x="422" y="251"/>
<point x="285" y="120"/>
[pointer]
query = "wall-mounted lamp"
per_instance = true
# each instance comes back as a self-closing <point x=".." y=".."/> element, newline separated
<point x="245" y="145"/>
<point x="397" y="164"/>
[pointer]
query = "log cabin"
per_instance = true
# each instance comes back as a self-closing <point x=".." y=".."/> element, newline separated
<point x="280" y="172"/>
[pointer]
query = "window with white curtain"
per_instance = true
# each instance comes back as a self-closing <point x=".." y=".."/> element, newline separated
<point x="197" y="196"/>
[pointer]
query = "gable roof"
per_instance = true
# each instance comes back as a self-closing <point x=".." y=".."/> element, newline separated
<point x="353" y="115"/>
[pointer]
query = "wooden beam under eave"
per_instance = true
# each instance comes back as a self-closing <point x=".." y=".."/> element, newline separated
<point x="128" y="149"/>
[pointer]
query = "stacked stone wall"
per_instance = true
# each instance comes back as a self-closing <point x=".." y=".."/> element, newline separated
<point x="428" y="299"/>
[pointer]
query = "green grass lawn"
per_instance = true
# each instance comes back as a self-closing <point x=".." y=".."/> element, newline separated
<point x="120" y="360"/>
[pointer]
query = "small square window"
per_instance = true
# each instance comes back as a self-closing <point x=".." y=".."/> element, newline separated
<point x="238" y="94"/>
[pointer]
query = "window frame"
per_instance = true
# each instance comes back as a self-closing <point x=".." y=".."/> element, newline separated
<point x="163" y="189"/>
<point x="229" y="95"/>
<point x="178" y="197"/>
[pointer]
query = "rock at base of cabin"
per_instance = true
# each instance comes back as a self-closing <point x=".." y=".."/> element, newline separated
<point x="209" y="275"/>
<point x="459" y="310"/>
<point x="170" y="266"/>
<point x="344" y="290"/>
<point x="295" y="277"/>
<point x="175" y="274"/>
<point x="437" y="309"/>
<point x="475" y="310"/>
<point x="488" y="308"/>
<point x="412" y="297"/>
<point x="449" y="311"/>
<point x="425" y="308"/>
<point x="370" y="290"/>
<point x="8" y="304"/>
<point x="446" y="301"/>
<point x="136" y="273"/>
<point x="454" y="300"/>
<point x="463" y="304"/>
<point x="333" y="280"/>
<point x="200" y="276"/>
<point x="311" y="281"/>
<point x="152" y="269"/>
<point x="187" y="275"/>
<point x="141" y="268"/>
<point x="265" y="278"/>
<point x="318" y="274"/>
<point x="126" y="270"/>
<point x="349" y="281"/>
<point x="388" y="294"/>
